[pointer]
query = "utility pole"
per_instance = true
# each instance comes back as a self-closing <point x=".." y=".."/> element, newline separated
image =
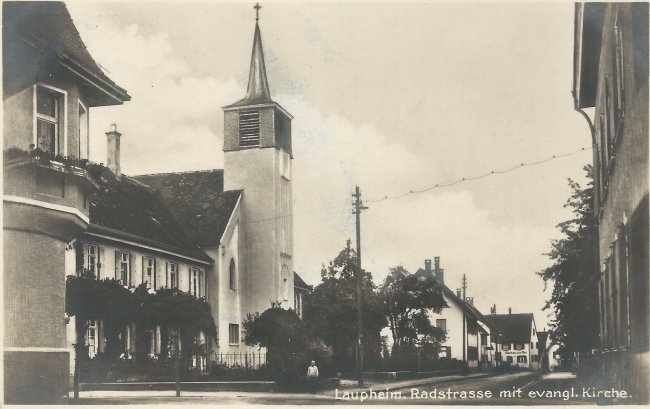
<point x="464" y="287"/>
<point x="358" y="207"/>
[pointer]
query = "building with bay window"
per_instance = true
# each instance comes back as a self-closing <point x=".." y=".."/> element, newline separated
<point x="50" y="85"/>
<point x="225" y="235"/>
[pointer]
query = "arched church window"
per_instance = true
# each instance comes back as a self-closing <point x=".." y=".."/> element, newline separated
<point x="233" y="275"/>
<point x="285" y="283"/>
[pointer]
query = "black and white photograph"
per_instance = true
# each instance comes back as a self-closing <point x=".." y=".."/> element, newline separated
<point x="325" y="203"/>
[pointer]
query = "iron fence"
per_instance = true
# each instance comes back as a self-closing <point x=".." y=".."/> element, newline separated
<point x="248" y="360"/>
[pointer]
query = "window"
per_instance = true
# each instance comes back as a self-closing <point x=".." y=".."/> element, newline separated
<point x="519" y="347"/>
<point x="505" y="347"/>
<point x="522" y="359"/>
<point x="285" y="283"/>
<point x="93" y="260"/>
<point x="172" y="275"/>
<point x="123" y="267"/>
<point x="297" y="303"/>
<point x="233" y="275"/>
<point x="149" y="271"/>
<point x="83" y="151"/>
<point x="50" y="105"/>
<point x="233" y="334"/>
<point x="442" y="324"/>
<point x="249" y="129"/>
<point x="91" y="337"/>
<point x="619" y="75"/>
<point x="531" y="345"/>
<point x="196" y="276"/>
<point x="509" y="359"/>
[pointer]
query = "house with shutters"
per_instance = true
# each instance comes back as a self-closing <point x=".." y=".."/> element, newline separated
<point x="517" y="344"/>
<point x="225" y="235"/>
<point x="610" y="90"/>
<point x="469" y="337"/>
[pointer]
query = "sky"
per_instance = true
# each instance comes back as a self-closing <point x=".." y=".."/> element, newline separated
<point x="392" y="97"/>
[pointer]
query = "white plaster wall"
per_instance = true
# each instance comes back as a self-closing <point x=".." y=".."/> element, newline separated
<point x="259" y="172"/>
<point x="454" y="316"/>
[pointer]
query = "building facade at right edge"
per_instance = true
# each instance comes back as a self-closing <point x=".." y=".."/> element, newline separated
<point x="611" y="83"/>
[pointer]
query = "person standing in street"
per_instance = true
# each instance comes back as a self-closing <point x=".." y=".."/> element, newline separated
<point x="312" y="376"/>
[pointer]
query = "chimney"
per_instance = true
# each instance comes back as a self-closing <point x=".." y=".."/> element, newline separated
<point x="113" y="150"/>
<point x="493" y="309"/>
<point x="469" y="300"/>
<point x="438" y="273"/>
<point x="427" y="266"/>
<point x="458" y="293"/>
<point x="509" y="310"/>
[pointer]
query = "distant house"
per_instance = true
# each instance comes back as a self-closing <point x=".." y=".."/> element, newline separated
<point x="468" y="334"/>
<point x="518" y="343"/>
<point x="611" y="80"/>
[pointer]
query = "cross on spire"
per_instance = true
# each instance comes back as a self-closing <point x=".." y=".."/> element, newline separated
<point x="257" y="8"/>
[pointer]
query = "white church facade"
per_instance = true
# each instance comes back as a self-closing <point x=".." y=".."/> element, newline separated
<point x="222" y="234"/>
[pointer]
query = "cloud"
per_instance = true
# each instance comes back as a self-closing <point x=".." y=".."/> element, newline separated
<point x="175" y="123"/>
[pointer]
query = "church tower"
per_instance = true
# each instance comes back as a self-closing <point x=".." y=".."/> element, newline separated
<point x="257" y="159"/>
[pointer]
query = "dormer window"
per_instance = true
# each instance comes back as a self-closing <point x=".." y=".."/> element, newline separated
<point x="249" y="129"/>
<point x="50" y="117"/>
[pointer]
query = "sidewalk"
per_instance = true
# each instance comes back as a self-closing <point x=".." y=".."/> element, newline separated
<point x="376" y="385"/>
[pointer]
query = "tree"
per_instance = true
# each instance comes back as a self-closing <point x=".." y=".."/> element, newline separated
<point x="574" y="274"/>
<point x="331" y="311"/>
<point x="289" y="343"/>
<point x="407" y="299"/>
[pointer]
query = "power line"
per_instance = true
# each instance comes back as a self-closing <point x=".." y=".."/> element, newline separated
<point x="482" y="176"/>
<point x="436" y="186"/>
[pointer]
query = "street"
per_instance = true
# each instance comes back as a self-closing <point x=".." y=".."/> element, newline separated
<point x="524" y="388"/>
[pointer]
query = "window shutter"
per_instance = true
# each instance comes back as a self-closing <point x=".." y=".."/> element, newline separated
<point x="117" y="266"/>
<point x="154" y="273"/>
<point x="166" y="274"/>
<point x="130" y="269"/>
<point x="200" y="278"/>
<point x="100" y="259"/>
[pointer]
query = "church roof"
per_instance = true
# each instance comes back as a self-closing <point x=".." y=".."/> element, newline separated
<point x="197" y="201"/>
<point x="514" y="328"/>
<point x="47" y="28"/>
<point x="258" y="86"/>
<point x="126" y="209"/>
<point x="298" y="282"/>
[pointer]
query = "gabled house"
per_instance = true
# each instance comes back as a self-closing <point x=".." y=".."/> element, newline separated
<point x="468" y="335"/>
<point x="221" y="234"/>
<point x="50" y="85"/>
<point x="517" y="343"/>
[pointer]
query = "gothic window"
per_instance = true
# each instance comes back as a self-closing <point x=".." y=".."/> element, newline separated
<point x="249" y="129"/>
<point x="233" y="275"/>
<point x="284" y="283"/>
<point x="49" y="118"/>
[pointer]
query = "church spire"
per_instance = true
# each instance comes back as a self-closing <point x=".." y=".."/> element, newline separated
<point x="258" y="86"/>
